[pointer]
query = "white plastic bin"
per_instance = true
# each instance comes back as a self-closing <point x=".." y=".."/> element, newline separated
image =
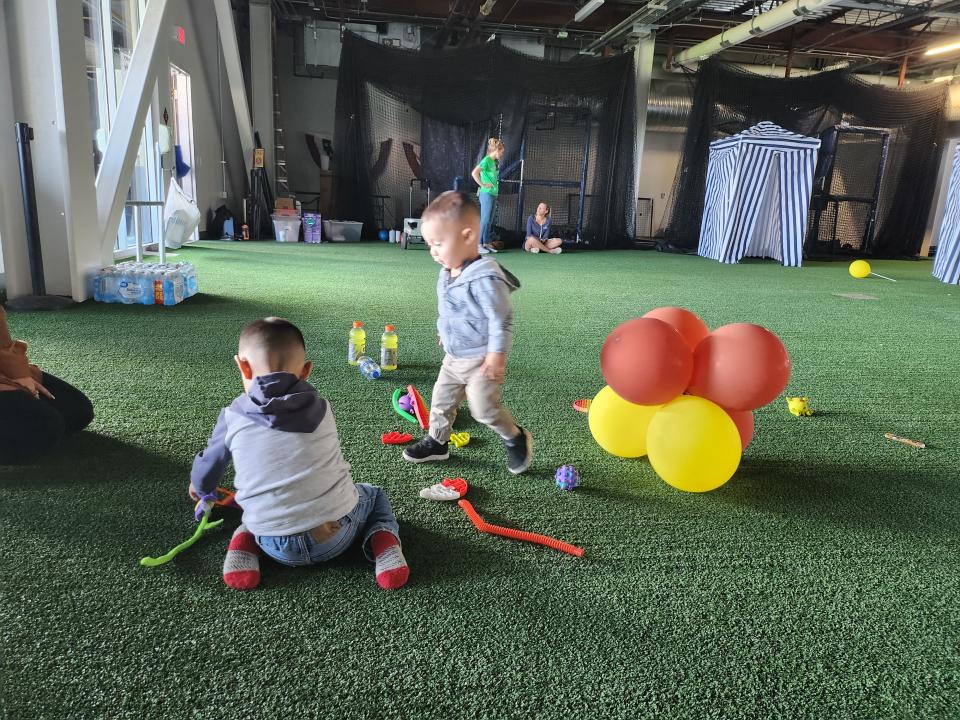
<point x="342" y="230"/>
<point x="286" y="228"/>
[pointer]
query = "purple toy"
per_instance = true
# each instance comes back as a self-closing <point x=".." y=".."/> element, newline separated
<point x="406" y="403"/>
<point x="567" y="477"/>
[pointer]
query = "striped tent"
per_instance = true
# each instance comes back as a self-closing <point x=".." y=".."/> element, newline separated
<point x="946" y="266"/>
<point x="758" y="193"/>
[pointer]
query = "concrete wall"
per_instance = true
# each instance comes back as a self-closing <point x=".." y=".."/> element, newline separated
<point x="526" y="45"/>
<point x="307" y="105"/>
<point x="661" y="157"/>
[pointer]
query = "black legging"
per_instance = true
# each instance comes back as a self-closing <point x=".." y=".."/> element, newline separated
<point x="32" y="427"/>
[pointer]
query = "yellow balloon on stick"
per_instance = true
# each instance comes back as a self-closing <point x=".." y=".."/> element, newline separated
<point x="620" y="426"/>
<point x="693" y="444"/>
<point x="859" y="269"/>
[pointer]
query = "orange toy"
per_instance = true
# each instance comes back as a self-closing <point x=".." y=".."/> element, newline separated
<point x="225" y="498"/>
<point x="485" y="527"/>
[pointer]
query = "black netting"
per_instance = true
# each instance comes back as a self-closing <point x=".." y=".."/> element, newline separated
<point x="403" y="115"/>
<point x="847" y="191"/>
<point x="727" y="100"/>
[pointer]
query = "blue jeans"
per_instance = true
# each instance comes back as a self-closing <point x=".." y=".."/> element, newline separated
<point x="372" y="514"/>
<point x="487" y="203"/>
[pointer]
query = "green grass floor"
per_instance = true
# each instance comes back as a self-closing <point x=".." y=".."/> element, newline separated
<point x="821" y="582"/>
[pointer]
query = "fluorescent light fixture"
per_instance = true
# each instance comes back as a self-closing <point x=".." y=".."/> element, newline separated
<point x="587" y="10"/>
<point x="943" y="78"/>
<point x="940" y="49"/>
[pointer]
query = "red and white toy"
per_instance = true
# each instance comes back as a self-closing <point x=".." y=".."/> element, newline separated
<point x="446" y="491"/>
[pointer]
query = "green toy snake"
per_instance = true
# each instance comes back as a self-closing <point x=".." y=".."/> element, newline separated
<point x="204" y="526"/>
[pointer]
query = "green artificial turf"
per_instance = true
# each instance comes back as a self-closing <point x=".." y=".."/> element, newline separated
<point x="820" y="582"/>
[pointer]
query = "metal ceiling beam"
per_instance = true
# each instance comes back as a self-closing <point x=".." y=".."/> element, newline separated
<point x="782" y="16"/>
<point x="888" y="7"/>
<point x="652" y="13"/>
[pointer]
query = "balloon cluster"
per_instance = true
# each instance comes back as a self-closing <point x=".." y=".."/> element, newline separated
<point x="685" y="396"/>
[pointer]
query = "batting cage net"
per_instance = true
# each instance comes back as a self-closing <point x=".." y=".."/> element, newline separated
<point x="568" y="129"/>
<point x="727" y="100"/>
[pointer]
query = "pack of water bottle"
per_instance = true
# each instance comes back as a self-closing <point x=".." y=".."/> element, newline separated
<point x="139" y="283"/>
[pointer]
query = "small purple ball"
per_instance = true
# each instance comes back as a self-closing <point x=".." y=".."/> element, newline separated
<point x="567" y="477"/>
<point x="406" y="403"/>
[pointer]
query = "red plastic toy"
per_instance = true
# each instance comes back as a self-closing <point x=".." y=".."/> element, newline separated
<point x="395" y="438"/>
<point x="486" y="527"/>
<point x="420" y="408"/>
<point x="458" y="484"/>
<point x="582" y="405"/>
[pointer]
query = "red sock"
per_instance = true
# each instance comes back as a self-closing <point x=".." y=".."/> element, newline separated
<point x="241" y="568"/>
<point x="391" y="567"/>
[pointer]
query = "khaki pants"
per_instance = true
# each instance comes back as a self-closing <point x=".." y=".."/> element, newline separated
<point x="459" y="378"/>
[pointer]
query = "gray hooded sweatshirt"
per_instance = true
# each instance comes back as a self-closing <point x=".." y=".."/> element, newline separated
<point x="290" y="473"/>
<point x="474" y="311"/>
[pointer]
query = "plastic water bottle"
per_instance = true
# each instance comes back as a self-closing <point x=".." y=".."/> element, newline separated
<point x="389" y="344"/>
<point x="368" y="367"/>
<point x="189" y="279"/>
<point x="172" y="287"/>
<point x="357" y="345"/>
<point x="128" y="287"/>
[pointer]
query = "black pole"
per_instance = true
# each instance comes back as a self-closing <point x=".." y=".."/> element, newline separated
<point x="29" y="192"/>
<point x="39" y="300"/>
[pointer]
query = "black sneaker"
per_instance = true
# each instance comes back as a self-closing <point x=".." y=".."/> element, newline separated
<point x="426" y="450"/>
<point x="519" y="452"/>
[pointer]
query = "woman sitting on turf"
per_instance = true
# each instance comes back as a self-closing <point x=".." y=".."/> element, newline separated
<point x="538" y="233"/>
<point x="36" y="409"/>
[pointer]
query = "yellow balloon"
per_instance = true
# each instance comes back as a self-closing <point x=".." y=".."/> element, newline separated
<point x="860" y="269"/>
<point x="693" y="444"/>
<point x="620" y="426"/>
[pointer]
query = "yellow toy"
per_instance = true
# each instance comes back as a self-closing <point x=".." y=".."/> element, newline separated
<point x="798" y="406"/>
<point x="458" y="440"/>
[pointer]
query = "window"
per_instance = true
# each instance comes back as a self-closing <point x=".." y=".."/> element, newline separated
<point x="110" y="29"/>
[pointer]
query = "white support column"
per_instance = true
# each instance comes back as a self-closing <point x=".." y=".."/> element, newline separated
<point x="643" y="71"/>
<point x="73" y="120"/>
<point x="12" y="233"/>
<point x="234" y="72"/>
<point x="261" y="76"/>
<point x="116" y="169"/>
<point x="938" y="206"/>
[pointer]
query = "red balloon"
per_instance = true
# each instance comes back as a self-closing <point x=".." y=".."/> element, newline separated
<point x="646" y="361"/>
<point x="691" y="328"/>
<point x="743" y="419"/>
<point x="740" y="367"/>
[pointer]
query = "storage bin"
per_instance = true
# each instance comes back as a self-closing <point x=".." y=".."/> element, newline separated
<point x="286" y="228"/>
<point x="342" y="230"/>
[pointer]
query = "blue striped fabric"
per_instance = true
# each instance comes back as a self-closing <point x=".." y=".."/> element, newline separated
<point x="946" y="267"/>
<point x="758" y="193"/>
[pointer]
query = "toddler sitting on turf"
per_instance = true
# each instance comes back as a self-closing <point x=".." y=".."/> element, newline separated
<point x="300" y="504"/>
<point x="476" y="330"/>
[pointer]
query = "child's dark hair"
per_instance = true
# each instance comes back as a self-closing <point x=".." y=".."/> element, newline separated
<point x="275" y="337"/>
<point x="451" y="205"/>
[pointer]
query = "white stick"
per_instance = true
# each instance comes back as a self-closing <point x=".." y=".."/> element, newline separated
<point x="882" y="276"/>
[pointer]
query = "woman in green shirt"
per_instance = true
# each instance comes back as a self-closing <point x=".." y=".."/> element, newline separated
<point x="487" y="176"/>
